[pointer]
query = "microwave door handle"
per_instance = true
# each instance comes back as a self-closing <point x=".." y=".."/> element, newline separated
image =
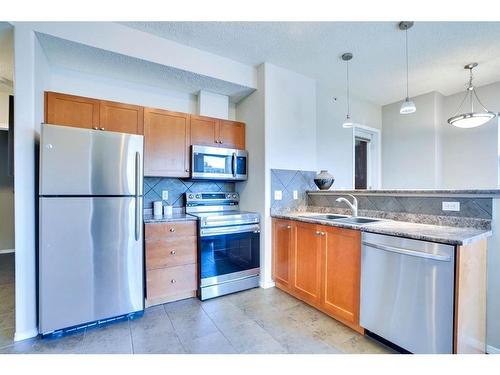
<point x="234" y="164"/>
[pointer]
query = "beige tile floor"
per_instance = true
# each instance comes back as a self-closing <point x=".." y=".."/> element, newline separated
<point x="253" y="321"/>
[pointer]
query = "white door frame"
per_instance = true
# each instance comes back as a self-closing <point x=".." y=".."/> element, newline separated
<point x="374" y="156"/>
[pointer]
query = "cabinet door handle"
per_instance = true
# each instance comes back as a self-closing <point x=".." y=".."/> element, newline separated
<point x="288" y="227"/>
<point x="187" y="170"/>
<point x="173" y="281"/>
<point x="172" y="252"/>
<point x="323" y="233"/>
<point x="96" y="128"/>
<point x="318" y="233"/>
<point x="172" y="229"/>
<point x="103" y="129"/>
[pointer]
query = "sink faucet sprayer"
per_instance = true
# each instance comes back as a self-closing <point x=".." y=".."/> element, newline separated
<point x="353" y="205"/>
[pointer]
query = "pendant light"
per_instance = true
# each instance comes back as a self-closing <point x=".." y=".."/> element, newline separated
<point x="408" y="106"/>
<point x="348" y="123"/>
<point x="471" y="119"/>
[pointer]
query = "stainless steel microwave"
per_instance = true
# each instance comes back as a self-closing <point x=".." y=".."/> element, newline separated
<point x="216" y="163"/>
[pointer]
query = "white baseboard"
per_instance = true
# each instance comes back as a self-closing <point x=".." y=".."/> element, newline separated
<point x="492" y="350"/>
<point x="7" y="251"/>
<point x="19" y="336"/>
<point x="266" y="285"/>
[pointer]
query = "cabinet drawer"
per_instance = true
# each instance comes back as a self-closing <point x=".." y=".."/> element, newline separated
<point x="170" y="230"/>
<point x="164" y="282"/>
<point x="170" y="252"/>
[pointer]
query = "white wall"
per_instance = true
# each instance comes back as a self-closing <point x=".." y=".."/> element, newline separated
<point x="281" y="133"/>
<point x="290" y="118"/>
<point x="251" y="110"/>
<point x="213" y="105"/>
<point x="470" y="156"/>
<point x="422" y="150"/>
<point x="334" y="150"/>
<point x="409" y="144"/>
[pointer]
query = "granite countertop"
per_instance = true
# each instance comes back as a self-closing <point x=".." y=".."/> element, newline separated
<point x="149" y="218"/>
<point x="425" y="232"/>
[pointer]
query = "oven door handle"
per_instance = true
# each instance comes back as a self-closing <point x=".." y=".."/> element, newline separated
<point x="220" y="231"/>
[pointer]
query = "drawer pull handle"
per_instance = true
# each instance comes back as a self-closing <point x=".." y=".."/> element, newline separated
<point x="318" y="233"/>
<point x="102" y="129"/>
<point x="288" y="227"/>
<point x="172" y="252"/>
<point x="172" y="229"/>
<point x="96" y="128"/>
<point x="173" y="281"/>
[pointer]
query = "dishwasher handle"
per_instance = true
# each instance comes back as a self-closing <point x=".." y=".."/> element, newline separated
<point x="413" y="253"/>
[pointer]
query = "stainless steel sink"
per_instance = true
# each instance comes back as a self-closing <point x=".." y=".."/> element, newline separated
<point x="357" y="220"/>
<point x="343" y="218"/>
<point x="326" y="216"/>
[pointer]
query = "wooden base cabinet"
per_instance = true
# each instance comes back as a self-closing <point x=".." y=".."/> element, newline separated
<point x="341" y="274"/>
<point x="319" y="265"/>
<point x="307" y="263"/>
<point x="171" y="261"/>
<point x="283" y="234"/>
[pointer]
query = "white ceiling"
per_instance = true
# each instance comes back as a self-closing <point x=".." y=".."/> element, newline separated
<point x="67" y="54"/>
<point x="438" y="51"/>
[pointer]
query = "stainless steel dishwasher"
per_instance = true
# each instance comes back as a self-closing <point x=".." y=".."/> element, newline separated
<point x="407" y="292"/>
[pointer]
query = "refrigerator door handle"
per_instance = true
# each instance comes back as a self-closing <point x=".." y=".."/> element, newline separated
<point x="137" y="187"/>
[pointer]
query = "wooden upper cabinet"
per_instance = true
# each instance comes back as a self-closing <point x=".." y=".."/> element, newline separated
<point x="283" y="253"/>
<point x="307" y="263"/>
<point x="208" y="131"/>
<point x="341" y="270"/>
<point x="204" y="131"/>
<point x="232" y="134"/>
<point x="119" y="117"/>
<point x="70" y="110"/>
<point x="166" y="143"/>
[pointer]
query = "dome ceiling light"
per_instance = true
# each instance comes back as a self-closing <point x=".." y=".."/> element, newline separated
<point x="408" y="106"/>
<point x="348" y="123"/>
<point x="471" y="119"/>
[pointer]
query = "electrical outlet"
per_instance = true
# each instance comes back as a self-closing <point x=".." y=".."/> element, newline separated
<point x="164" y="195"/>
<point x="278" y="195"/>
<point x="451" y="206"/>
<point x="295" y="194"/>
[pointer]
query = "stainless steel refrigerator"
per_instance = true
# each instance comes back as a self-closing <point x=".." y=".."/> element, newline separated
<point x="90" y="226"/>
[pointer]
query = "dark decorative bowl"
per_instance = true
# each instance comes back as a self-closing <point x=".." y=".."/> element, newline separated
<point x="324" y="180"/>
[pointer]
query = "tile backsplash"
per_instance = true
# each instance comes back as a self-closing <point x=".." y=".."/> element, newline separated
<point x="176" y="187"/>
<point x="287" y="181"/>
<point x="480" y="208"/>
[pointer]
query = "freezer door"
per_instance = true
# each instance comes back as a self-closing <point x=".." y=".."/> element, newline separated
<point x="77" y="161"/>
<point x="90" y="260"/>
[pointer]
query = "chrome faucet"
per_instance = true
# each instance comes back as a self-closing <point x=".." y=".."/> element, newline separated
<point x="353" y="205"/>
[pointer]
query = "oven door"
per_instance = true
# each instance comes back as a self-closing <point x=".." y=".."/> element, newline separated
<point x="229" y="253"/>
<point x="218" y="163"/>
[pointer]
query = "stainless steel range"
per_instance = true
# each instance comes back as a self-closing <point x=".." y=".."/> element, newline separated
<point x="228" y="243"/>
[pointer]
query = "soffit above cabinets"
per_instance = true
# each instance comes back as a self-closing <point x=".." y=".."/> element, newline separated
<point x="65" y="54"/>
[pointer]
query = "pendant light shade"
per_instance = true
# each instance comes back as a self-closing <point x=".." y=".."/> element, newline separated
<point x="348" y="123"/>
<point x="408" y="106"/>
<point x="471" y="119"/>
